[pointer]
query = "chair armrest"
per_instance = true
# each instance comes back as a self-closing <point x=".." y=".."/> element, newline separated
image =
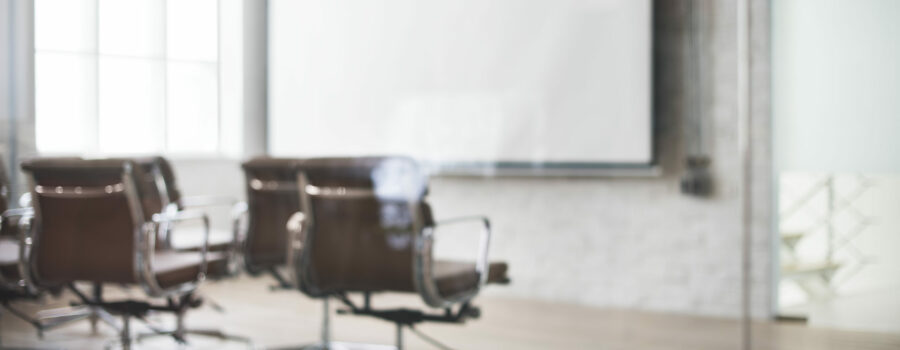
<point x="182" y="216"/>
<point x="295" y="228"/>
<point x="238" y="215"/>
<point x="25" y="200"/>
<point x="24" y="237"/>
<point x="423" y="269"/>
<point x="481" y="265"/>
<point x="207" y="201"/>
<point x="239" y="212"/>
<point x="18" y="212"/>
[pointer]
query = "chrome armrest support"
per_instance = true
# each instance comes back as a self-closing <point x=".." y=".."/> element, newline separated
<point x="481" y="265"/>
<point x="239" y="212"/>
<point x="147" y="249"/>
<point x="238" y="216"/>
<point x="25" y="200"/>
<point x="207" y="201"/>
<point x="295" y="228"/>
<point x="424" y="278"/>
<point x="181" y="215"/>
<point x="18" y="212"/>
<point x="23" y="229"/>
<point x="25" y="244"/>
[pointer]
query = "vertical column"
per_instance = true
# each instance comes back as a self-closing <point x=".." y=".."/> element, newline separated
<point x="17" y="79"/>
<point x="256" y="59"/>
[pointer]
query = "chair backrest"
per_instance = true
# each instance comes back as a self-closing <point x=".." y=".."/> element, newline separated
<point x="4" y="187"/>
<point x="363" y="218"/>
<point x="88" y="220"/>
<point x="152" y="194"/>
<point x="272" y="197"/>
<point x="156" y="189"/>
<point x="167" y="172"/>
<point x="6" y="228"/>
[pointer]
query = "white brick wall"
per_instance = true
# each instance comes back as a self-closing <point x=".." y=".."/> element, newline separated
<point x="639" y="243"/>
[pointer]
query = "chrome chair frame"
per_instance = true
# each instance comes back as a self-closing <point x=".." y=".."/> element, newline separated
<point x="51" y="318"/>
<point x="164" y="222"/>
<point x="144" y="231"/>
<point x="238" y="210"/>
<point x="145" y="239"/>
<point x="426" y="287"/>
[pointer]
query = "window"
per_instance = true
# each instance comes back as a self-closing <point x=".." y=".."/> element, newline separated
<point x="127" y="77"/>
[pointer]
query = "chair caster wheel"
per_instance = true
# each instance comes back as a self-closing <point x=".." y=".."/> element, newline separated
<point x="473" y="312"/>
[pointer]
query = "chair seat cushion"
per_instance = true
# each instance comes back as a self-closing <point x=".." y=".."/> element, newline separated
<point x="172" y="268"/>
<point x="191" y="238"/>
<point x="453" y="277"/>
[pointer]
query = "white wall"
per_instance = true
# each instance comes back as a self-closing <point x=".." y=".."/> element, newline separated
<point x="639" y="243"/>
<point x="835" y="84"/>
<point x="835" y="104"/>
<point x="835" y="93"/>
<point x="462" y="80"/>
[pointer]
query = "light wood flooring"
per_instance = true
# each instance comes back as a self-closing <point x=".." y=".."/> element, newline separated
<point x="285" y="318"/>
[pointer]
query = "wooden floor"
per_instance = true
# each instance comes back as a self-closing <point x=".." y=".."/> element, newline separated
<point x="284" y="318"/>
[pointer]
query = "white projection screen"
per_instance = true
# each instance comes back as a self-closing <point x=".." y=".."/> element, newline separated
<point x="509" y="83"/>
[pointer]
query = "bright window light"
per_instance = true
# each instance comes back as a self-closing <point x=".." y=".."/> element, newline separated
<point x="65" y="86"/>
<point x="132" y="105"/>
<point x="193" y="110"/>
<point x="123" y="77"/>
<point x="192" y="25"/>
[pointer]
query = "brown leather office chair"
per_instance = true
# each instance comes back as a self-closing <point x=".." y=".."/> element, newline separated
<point x="163" y="193"/>
<point x="90" y="226"/>
<point x="13" y="287"/>
<point x="15" y="270"/>
<point x="9" y="235"/>
<point x="366" y="227"/>
<point x="159" y="192"/>
<point x="9" y="245"/>
<point x="272" y="197"/>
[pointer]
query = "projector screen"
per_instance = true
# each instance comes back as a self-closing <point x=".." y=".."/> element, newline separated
<point x="462" y="81"/>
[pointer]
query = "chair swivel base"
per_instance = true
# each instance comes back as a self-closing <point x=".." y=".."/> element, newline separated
<point x="53" y="318"/>
<point x="180" y="332"/>
<point x="180" y="336"/>
<point x="400" y="317"/>
<point x="341" y="346"/>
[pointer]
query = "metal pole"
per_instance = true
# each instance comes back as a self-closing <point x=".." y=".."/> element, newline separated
<point x="13" y="118"/>
<point x="399" y="336"/>
<point x="831" y="204"/>
<point x="94" y="316"/>
<point x="744" y="146"/>
<point x="326" y="330"/>
<point x="126" y="333"/>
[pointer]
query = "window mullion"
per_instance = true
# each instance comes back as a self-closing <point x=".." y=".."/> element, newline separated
<point x="94" y="146"/>
<point x="165" y="77"/>
<point x="218" y="77"/>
